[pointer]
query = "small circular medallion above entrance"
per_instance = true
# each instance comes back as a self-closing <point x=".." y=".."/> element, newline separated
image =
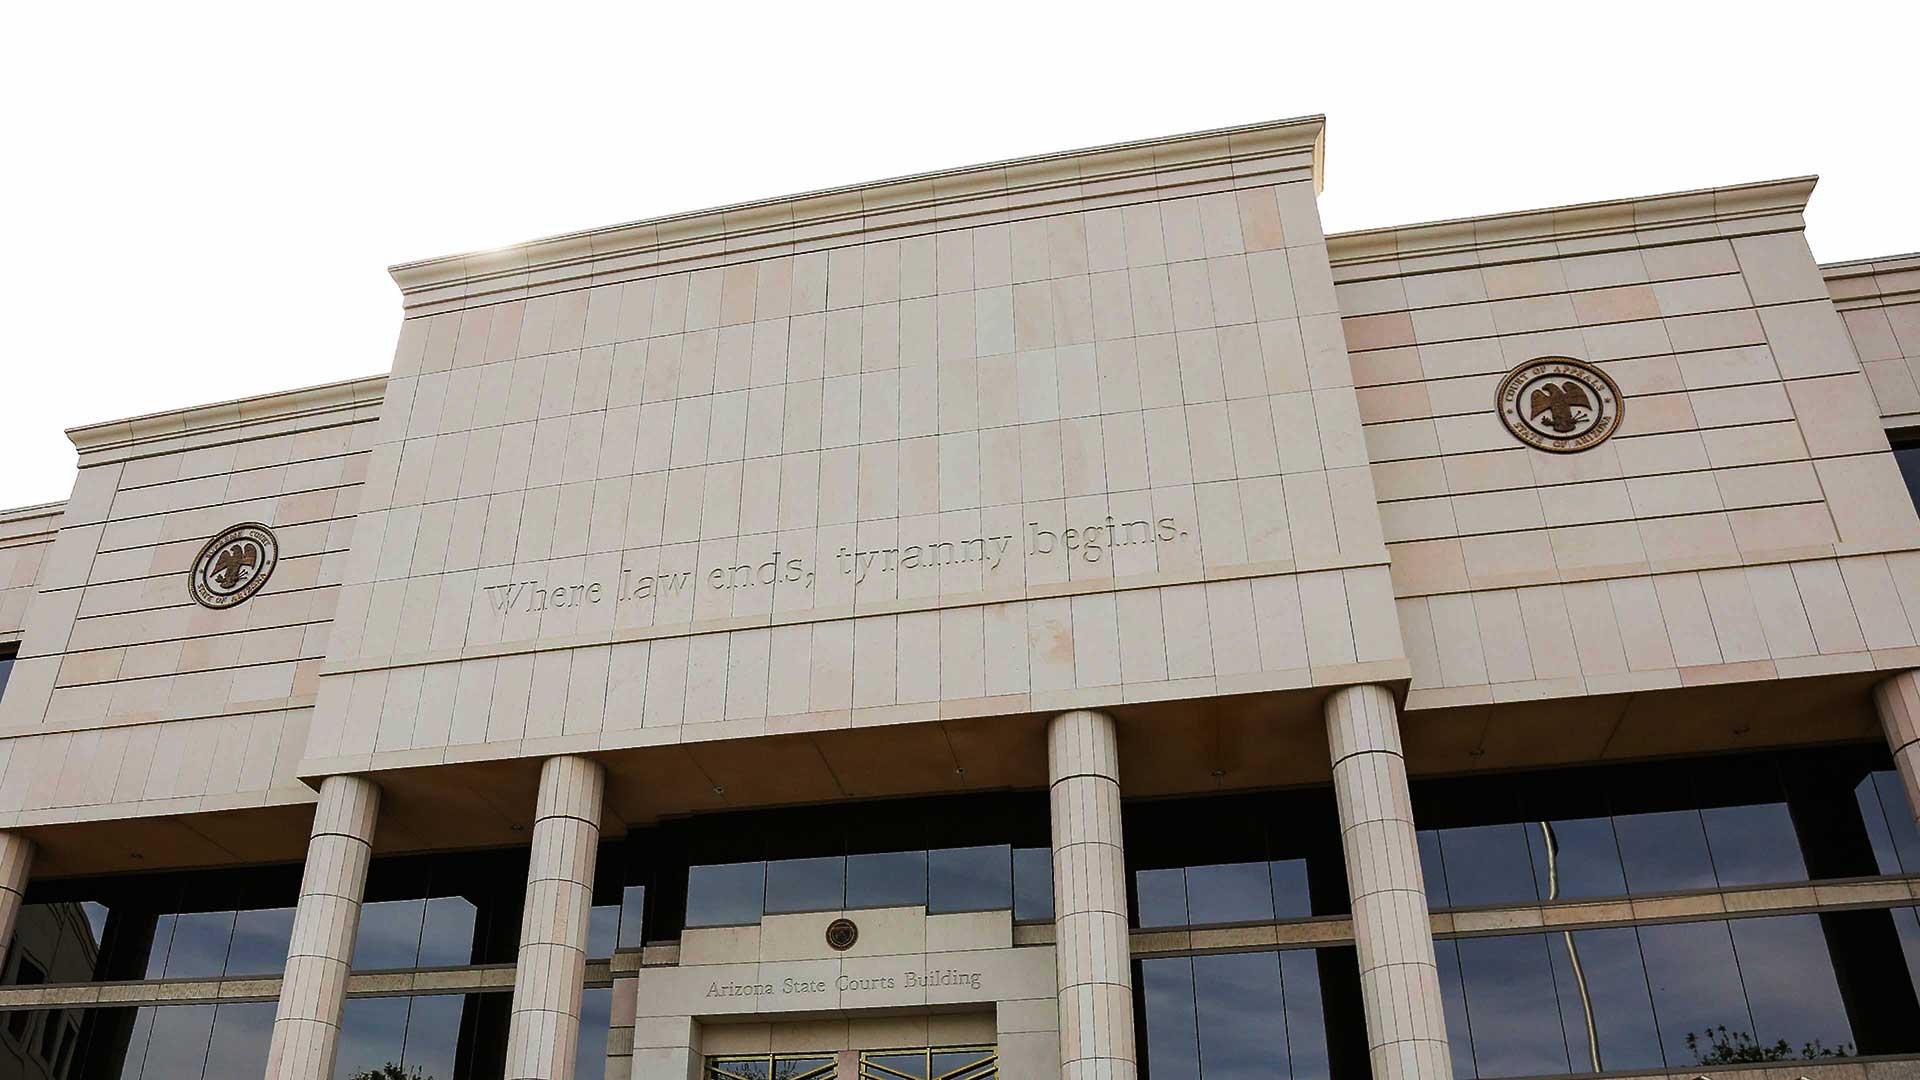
<point x="233" y="566"/>
<point x="841" y="934"/>
<point x="1559" y="404"/>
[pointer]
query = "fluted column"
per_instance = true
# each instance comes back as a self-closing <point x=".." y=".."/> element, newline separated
<point x="1399" y="982"/>
<point x="1898" y="702"/>
<point x="542" y="1041"/>
<point x="1090" y="900"/>
<point x="16" y="861"/>
<point x="306" y="1027"/>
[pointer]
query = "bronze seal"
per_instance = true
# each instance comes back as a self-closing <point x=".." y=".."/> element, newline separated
<point x="1559" y="404"/>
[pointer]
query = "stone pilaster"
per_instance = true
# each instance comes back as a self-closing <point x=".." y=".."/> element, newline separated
<point x="16" y="861"/>
<point x="543" y="1039"/>
<point x="1399" y="982"/>
<point x="1898" y="702"/>
<point x="306" y="1027"/>
<point x="1090" y="900"/>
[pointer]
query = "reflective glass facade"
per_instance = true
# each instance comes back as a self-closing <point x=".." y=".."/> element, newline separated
<point x="164" y="1042"/>
<point x="1683" y="995"/>
<point x="975" y="853"/>
<point x="1645" y="829"/>
<point x="1293" y="1014"/>
<point x="194" y="925"/>
<point x="1234" y="859"/>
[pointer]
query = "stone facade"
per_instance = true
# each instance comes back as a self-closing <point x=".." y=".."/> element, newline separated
<point x="1037" y="476"/>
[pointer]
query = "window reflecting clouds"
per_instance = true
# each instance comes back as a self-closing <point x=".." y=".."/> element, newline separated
<point x="202" y="924"/>
<point x="1247" y="1016"/>
<point x="1725" y="822"/>
<point x="1682" y="995"/>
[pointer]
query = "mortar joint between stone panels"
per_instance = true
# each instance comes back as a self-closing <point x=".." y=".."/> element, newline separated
<point x="1351" y="754"/>
<point x="319" y="833"/>
<point x="1086" y="776"/>
<point x="564" y="816"/>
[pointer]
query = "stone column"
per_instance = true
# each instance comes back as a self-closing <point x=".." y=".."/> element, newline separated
<point x="1399" y="982"/>
<point x="542" y="1040"/>
<point x="1090" y="900"/>
<point x="306" y="1027"/>
<point x="16" y="861"/>
<point x="1898" y="702"/>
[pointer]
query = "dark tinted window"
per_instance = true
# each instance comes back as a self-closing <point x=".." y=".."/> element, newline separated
<point x="969" y="879"/>
<point x="1677" y="826"/>
<point x="730" y="894"/>
<point x="903" y="853"/>
<point x="1033" y="884"/>
<point x="441" y="910"/>
<point x="817" y="884"/>
<point x="1906" y="453"/>
<point x="1234" y="858"/>
<point x="6" y="668"/>
<point x="1253" y="1015"/>
<point x="887" y="879"/>
<point x="1682" y="995"/>
<point x="596" y="1017"/>
<point x="450" y="1036"/>
<point x="200" y="924"/>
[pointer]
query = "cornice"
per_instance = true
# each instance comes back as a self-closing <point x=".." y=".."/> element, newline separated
<point x="227" y="415"/>
<point x="951" y="198"/>
<point x="1872" y="283"/>
<point x="1575" y="223"/>
<point x="30" y="524"/>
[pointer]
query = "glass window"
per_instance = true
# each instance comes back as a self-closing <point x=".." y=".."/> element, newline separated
<point x="596" y="1017"/>
<point x="6" y="669"/>
<point x="1906" y="454"/>
<point x="1882" y="799"/>
<point x="1487" y="864"/>
<point x="1704" y="823"/>
<point x="1791" y="989"/>
<point x="1664" y="851"/>
<point x="1246" y="1015"/>
<point x="389" y="934"/>
<point x="1753" y="845"/>
<point x="444" y="1036"/>
<point x="1172" y="1031"/>
<point x="818" y="884"/>
<point x="241" y="1035"/>
<point x="1695" y="984"/>
<point x="727" y="894"/>
<point x="178" y="1048"/>
<point x="1511" y="1007"/>
<point x="969" y="879"/>
<point x="1605" y="1009"/>
<point x="260" y="940"/>
<point x="1229" y="893"/>
<point x="1220" y="860"/>
<point x="1237" y="1001"/>
<point x="199" y="947"/>
<point x="1032" y="885"/>
<point x="1575" y="858"/>
<point x="1675" y="996"/>
<point x="1161" y="897"/>
<point x="447" y="932"/>
<point x="633" y="903"/>
<point x="1292" y="894"/>
<point x="887" y="879"/>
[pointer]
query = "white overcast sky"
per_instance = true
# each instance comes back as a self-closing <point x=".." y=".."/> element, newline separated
<point x="201" y="200"/>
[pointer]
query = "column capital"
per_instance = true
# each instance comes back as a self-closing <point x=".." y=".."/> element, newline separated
<point x="1363" y="719"/>
<point x="1082" y="743"/>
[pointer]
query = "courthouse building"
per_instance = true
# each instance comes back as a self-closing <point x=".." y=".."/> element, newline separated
<point x="1066" y="618"/>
